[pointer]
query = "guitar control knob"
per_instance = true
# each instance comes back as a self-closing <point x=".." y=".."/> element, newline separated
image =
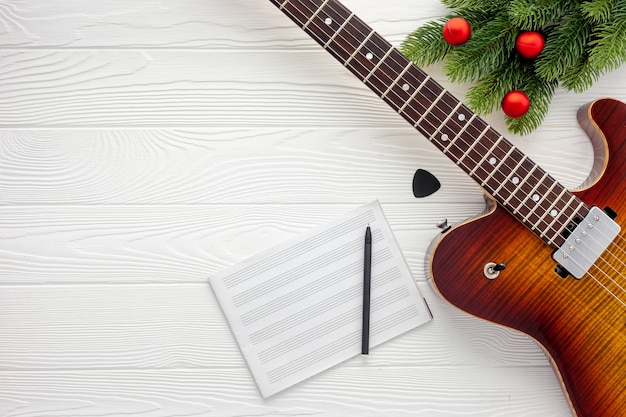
<point x="499" y="267"/>
<point x="443" y="225"/>
<point x="492" y="269"/>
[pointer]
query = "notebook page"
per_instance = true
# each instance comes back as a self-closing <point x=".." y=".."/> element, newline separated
<point x="296" y="309"/>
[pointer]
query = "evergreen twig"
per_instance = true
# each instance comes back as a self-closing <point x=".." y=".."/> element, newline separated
<point x="584" y="39"/>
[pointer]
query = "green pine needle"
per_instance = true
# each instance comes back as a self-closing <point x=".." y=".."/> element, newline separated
<point x="581" y="76"/>
<point x="609" y="49"/>
<point x="540" y="94"/>
<point x="537" y="14"/>
<point x="486" y="96"/>
<point x="564" y="47"/>
<point x="584" y="39"/>
<point x="598" y="11"/>
<point x="489" y="48"/>
<point x="426" y="45"/>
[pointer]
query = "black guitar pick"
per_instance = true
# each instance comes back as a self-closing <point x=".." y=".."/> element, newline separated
<point x="424" y="183"/>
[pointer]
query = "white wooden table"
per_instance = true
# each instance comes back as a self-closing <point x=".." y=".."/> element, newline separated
<point x="147" y="144"/>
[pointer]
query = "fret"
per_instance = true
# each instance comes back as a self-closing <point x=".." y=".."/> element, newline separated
<point x="497" y="167"/>
<point x="483" y="158"/>
<point x="568" y="220"/>
<point x="543" y="177"/>
<point x="552" y="211"/>
<point x="466" y="153"/>
<point x="453" y="140"/>
<point x="513" y="172"/>
<point x="395" y="82"/>
<point x="343" y="25"/>
<point x="445" y="121"/>
<point x="430" y="108"/>
<point x="540" y="199"/>
<point x="315" y="14"/>
<point x="556" y="218"/>
<point x="463" y="136"/>
<point x="417" y="90"/>
<point x="380" y="62"/>
<point x="356" y="51"/>
<point x="522" y="182"/>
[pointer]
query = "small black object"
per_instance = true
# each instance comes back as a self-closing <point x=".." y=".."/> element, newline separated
<point x="367" y="284"/>
<point x="499" y="267"/>
<point x="610" y="212"/>
<point x="424" y="183"/>
<point x="560" y="271"/>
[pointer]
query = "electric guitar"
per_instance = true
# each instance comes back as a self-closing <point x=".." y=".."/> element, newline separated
<point x="542" y="259"/>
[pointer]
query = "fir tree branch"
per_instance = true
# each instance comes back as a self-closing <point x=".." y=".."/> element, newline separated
<point x="584" y="39"/>
<point x="489" y="48"/>
<point x="598" y="11"/>
<point x="538" y="14"/>
<point x="608" y="50"/>
<point x="486" y="95"/>
<point x="540" y="94"/>
<point x="564" y="46"/>
<point x="581" y="75"/>
<point x="426" y="45"/>
<point x="487" y="5"/>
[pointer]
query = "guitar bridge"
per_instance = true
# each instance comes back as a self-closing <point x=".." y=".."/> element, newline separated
<point x="586" y="242"/>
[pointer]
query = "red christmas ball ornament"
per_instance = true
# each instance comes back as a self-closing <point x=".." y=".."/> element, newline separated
<point x="515" y="104"/>
<point x="530" y="44"/>
<point x="457" y="31"/>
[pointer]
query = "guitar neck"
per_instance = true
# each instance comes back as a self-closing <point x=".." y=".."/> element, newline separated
<point x="502" y="170"/>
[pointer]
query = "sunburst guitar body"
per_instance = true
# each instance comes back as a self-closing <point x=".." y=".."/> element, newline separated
<point x="581" y="323"/>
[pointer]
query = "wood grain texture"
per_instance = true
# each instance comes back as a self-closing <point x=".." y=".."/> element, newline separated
<point x="181" y="326"/>
<point x="342" y="391"/>
<point x="563" y="315"/>
<point x="207" y="166"/>
<point x="176" y="244"/>
<point x="171" y="88"/>
<point x="184" y="24"/>
<point x="145" y="145"/>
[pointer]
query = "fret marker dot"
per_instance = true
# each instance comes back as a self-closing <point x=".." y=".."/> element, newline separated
<point x="406" y="87"/>
<point x="444" y="137"/>
<point x="328" y="21"/>
<point x="369" y="55"/>
<point x="515" y="180"/>
<point x="535" y="197"/>
<point x="461" y="117"/>
<point x="492" y="160"/>
<point x="553" y="213"/>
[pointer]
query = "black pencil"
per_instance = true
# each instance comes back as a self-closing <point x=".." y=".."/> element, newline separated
<point x="367" y="277"/>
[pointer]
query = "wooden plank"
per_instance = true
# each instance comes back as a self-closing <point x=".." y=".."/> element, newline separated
<point x="176" y="244"/>
<point x="247" y="166"/>
<point x="174" y="88"/>
<point x="371" y="392"/>
<point x="173" y="326"/>
<point x="208" y="24"/>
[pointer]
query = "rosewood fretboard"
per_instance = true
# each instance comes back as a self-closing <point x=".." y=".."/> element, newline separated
<point x="516" y="182"/>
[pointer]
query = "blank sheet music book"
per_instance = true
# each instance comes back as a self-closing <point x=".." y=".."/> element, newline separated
<point x="296" y="309"/>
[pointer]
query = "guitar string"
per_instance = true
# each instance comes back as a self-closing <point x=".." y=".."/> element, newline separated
<point x="372" y="73"/>
<point x="523" y="202"/>
<point x="597" y="281"/>
<point x="317" y="12"/>
<point x="610" y="265"/>
<point x="615" y="257"/>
